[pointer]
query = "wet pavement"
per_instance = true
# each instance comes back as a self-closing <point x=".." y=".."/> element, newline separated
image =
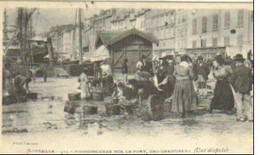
<point x="47" y="117"/>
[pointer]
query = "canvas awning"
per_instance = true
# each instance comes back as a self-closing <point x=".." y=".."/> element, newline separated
<point x="99" y="54"/>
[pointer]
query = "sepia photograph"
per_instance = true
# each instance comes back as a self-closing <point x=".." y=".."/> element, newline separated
<point x="108" y="78"/>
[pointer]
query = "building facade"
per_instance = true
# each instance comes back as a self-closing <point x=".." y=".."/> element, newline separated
<point x="232" y="29"/>
<point x="65" y="41"/>
<point x="162" y="24"/>
<point x="177" y="30"/>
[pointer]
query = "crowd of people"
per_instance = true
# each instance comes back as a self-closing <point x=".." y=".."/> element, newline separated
<point x="180" y="80"/>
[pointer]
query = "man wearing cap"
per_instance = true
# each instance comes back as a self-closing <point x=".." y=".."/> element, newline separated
<point x="242" y="80"/>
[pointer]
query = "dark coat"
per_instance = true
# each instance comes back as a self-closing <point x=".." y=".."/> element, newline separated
<point x="148" y="67"/>
<point x="242" y="79"/>
<point x="202" y="69"/>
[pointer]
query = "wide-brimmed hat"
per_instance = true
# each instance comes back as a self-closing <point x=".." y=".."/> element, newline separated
<point x="239" y="57"/>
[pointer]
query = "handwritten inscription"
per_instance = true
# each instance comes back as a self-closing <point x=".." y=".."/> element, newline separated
<point x="25" y="143"/>
<point x="195" y="150"/>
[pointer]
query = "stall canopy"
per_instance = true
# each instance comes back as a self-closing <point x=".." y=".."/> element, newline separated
<point x="99" y="54"/>
<point x="131" y="44"/>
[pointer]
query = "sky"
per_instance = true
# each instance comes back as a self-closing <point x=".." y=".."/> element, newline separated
<point x="45" y="18"/>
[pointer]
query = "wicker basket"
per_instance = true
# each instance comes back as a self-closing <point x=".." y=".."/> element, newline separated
<point x="97" y="97"/>
<point x="90" y="109"/>
<point x="112" y="109"/>
<point x="74" y="96"/>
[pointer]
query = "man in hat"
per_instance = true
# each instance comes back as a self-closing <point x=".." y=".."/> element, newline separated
<point x="242" y="80"/>
<point x="201" y="70"/>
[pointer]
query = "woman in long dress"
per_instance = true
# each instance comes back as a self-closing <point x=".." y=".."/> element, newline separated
<point x="223" y="97"/>
<point x="84" y="84"/>
<point x="184" y="97"/>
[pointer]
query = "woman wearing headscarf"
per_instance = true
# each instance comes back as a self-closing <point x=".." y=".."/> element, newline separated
<point x="223" y="97"/>
<point x="184" y="97"/>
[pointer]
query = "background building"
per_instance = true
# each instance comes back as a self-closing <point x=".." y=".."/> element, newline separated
<point x="220" y="28"/>
<point x="193" y="31"/>
<point x="162" y="24"/>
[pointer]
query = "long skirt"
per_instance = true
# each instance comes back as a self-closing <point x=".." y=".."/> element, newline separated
<point x="223" y="97"/>
<point x="85" y="93"/>
<point x="184" y="97"/>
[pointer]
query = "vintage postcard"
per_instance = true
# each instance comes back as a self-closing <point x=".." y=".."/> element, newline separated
<point x="127" y="77"/>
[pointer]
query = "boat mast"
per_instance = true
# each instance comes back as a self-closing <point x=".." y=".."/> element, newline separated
<point x="80" y="37"/>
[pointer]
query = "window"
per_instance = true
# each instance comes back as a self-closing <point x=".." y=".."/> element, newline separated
<point x="240" y="18"/>
<point x="226" y="41"/>
<point x="239" y="39"/>
<point x="215" y="23"/>
<point x="203" y="43"/>
<point x="194" y="26"/>
<point x="204" y="24"/>
<point x="227" y="19"/>
<point x="194" y="44"/>
<point x="214" y="42"/>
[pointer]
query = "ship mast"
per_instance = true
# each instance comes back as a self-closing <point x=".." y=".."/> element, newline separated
<point x="80" y="37"/>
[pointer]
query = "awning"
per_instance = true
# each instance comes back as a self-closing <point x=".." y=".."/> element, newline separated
<point x="99" y="54"/>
